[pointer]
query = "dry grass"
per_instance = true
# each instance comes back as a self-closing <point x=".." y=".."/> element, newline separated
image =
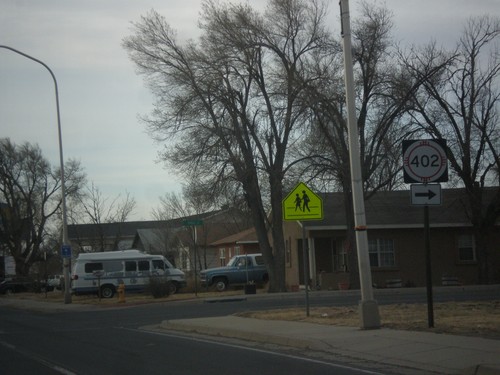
<point x="480" y="319"/>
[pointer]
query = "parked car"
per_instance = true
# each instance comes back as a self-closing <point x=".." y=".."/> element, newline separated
<point x="22" y="284"/>
<point x="240" y="270"/>
<point x="55" y="281"/>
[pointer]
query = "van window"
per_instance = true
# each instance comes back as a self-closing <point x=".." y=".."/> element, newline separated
<point x="143" y="265"/>
<point x="91" y="267"/>
<point x="113" y="266"/>
<point x="130" y="266"/>
<point x="158" y="264"/>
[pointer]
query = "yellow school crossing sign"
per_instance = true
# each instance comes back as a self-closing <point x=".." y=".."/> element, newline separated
<point x="302" y="204"/>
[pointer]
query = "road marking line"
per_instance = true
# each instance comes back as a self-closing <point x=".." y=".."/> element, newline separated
<point x="36" y="358"/>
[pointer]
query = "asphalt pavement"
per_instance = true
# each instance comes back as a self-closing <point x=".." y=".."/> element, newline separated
<point x="432" y="353"/>
<point x="427" y="352"/>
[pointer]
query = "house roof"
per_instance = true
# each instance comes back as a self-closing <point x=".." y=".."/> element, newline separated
<point x="393" y="209"/>
<point x="129" y="228"/>
<point x="246" y="236"/>
<point x="150" y="239"/>
<point x="151" y="234"/>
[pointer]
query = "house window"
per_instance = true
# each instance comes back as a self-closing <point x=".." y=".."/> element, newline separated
<point x="222" y="257"/>
<point x="236" y="250"/>
<point x="381" y="252"/>
<point x="466" y="248"/>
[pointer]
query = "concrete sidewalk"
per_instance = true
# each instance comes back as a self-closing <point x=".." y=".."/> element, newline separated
<point x="423" y="351"/>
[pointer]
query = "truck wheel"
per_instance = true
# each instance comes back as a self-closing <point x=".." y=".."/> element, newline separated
<point x="107" y="291"/>
<point x="220" y="284"/>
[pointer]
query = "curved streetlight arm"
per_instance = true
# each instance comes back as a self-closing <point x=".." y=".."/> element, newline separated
<point x="67" y="295"/>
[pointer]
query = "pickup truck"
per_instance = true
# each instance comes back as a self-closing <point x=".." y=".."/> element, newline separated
<point x="240" y="270"/>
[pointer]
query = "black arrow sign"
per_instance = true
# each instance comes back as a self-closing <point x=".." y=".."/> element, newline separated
<point x="430" y="194"/>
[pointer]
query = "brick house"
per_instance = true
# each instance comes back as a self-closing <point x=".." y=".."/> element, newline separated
<point x="396" y="242"/>
<point x="244" y="242"/>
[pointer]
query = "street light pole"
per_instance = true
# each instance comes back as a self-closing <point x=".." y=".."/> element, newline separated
<point x="66" y="260"/>
<point x="368" y="307"/>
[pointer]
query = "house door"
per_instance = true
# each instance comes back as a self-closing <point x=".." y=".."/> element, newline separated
<point x="325" y="254"/>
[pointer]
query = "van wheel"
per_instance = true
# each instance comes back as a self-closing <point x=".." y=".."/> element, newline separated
<point x="107" y="291"/>
<point x="220" y="284"/>
<point x="172" y="287"/>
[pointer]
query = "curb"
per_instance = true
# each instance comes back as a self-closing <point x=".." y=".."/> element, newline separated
<point x="224" y="299"/>
<point x="189" y="327"/>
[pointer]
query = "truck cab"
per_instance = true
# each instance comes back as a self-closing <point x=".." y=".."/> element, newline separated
<point x="240" y="270"/>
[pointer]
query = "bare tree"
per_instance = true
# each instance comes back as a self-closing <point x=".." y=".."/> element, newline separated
<point x="171" y="206"/>
<point x="384" y="91"/>
<point x="231" y="105"/>
<point x="30" y="188"/>
<point x="90" y="206"/>
<point x="461" y="105"/>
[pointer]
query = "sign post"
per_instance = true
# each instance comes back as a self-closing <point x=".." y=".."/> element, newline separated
<point x="194" y="223"/>
<point x="425" y="161"/>
<point x="303" y="204"/>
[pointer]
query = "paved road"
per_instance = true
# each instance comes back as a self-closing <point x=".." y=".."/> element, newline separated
<point x="111" y="342"/>
<point x="71" y="339"/>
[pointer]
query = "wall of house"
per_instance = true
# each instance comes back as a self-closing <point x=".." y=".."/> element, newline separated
<point x="410" y="257"/>
<point x="292" y="233"/>
<point x="409" y="268"/>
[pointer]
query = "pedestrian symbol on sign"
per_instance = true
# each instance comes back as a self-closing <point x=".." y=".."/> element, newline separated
<point x="302" y="204"/>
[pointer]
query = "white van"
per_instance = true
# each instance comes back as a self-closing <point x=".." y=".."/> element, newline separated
<point x="131" y="267"/>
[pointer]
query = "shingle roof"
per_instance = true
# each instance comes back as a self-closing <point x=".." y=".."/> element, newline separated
<point x="128" y="228"/>
<point x="394" y="209"/>
<point x="246" y="236"/>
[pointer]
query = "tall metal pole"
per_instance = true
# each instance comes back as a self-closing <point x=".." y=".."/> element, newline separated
<point x="305" y="255"/>
<point x="65" y="241"/>
<point x="195" y="266"/>
<point x="428" y="269"/>
<point x="368" y="307"/>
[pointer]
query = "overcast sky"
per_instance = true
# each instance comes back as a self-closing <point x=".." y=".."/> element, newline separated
<point x="100" y="94"/>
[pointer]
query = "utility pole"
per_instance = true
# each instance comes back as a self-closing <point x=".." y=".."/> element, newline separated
<point x="368" y="307"/>
<point x="65" y="240"/>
